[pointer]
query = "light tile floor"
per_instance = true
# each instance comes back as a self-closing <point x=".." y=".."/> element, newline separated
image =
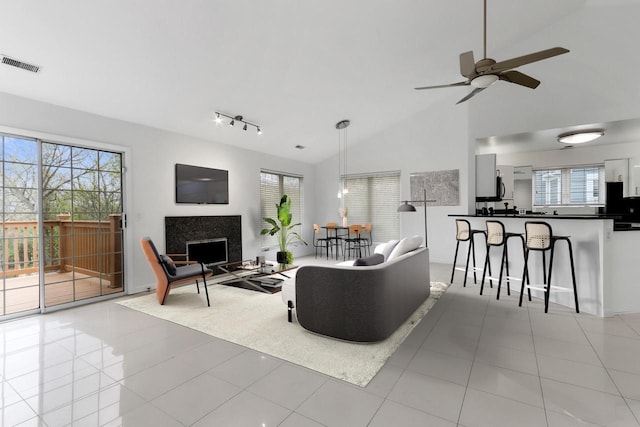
<point x="472" y="361"/>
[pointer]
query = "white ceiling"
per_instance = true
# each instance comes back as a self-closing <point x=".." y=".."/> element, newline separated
<point x="294" y="67"/>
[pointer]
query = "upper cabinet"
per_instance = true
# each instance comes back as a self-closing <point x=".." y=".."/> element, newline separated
<point x="617" y="170"/>
<point x="634" y="176"/>
<point x="486" y="176"/>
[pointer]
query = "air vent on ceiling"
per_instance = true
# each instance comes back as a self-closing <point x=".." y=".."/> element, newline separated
<point x="19" y="64"/>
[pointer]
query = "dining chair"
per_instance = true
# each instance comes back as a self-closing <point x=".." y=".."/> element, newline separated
<point x="334" y="238"/>
<point x="320" y="242"/>
<point x="353" y="242"/>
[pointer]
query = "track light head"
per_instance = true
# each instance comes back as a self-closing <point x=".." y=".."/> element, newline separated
<point x="218" y="119"/>
<point x="245" y="127"/>
<point x="259" y="131"/>
<point x="232" y="122"/>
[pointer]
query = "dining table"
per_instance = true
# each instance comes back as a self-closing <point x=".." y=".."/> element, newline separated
<point x="334" y="235"/>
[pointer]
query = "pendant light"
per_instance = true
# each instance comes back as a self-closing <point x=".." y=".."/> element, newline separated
<point x="342" y="157"/>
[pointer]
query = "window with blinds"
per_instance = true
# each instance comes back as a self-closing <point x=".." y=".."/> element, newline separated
<point x="272" y="186"/>
<point x="374" y="198"/>
<point x="569" y="186"/>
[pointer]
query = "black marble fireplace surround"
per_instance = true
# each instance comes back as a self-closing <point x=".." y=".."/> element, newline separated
<point x="178" y="230"/>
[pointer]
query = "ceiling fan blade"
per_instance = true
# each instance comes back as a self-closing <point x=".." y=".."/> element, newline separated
<point x="467" y="64"/>
<point x="465" y="83"/>
<point x="472" y="93"/>
<point x="527" y="59"/>
<point x="519" y="78"/>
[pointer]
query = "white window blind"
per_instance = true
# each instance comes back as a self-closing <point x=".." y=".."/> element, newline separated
<point x="569" y="186"/>
<point x="375" y="199"/>
<point x="272" y="186"/>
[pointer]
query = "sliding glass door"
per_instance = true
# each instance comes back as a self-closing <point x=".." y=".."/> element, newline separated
<point x="62" y="218"/>
<point x="19" y="252"/>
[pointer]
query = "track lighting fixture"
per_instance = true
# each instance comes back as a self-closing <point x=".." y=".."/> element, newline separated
<point x="234" y="119"/>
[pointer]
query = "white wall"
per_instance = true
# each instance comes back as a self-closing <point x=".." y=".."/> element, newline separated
<point x="434" y="139"/>
<point x="149" y="177"/>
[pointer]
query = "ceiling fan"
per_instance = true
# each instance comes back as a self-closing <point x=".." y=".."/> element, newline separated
<point x="487" y="71"/>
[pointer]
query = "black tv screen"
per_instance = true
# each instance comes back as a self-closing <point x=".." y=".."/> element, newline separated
<point x="195" y="184"/>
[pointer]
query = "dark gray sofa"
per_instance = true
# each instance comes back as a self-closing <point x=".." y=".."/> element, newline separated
<point x="362" y="304"/>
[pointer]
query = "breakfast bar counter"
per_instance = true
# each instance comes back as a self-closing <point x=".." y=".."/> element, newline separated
<point x="607" y="262"/>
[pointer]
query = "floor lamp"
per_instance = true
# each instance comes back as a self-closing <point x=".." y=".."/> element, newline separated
<point x="406" y="206"/>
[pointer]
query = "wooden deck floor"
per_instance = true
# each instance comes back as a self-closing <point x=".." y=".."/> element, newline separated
<point x="23" y="293"/>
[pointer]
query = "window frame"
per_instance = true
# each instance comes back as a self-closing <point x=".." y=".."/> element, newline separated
<point x="567" y="188"/>
<point x="268" y="207"/>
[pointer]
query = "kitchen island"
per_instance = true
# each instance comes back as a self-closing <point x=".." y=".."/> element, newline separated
<point x="607" y="262"/>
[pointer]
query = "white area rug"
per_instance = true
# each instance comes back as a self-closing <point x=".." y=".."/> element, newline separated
<point x="259" y="321"/>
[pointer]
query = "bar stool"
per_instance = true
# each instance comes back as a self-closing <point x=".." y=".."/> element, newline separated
<point x="497" y="236"/>
<point x="539" y="237"/>
<point x="464" y="233"/>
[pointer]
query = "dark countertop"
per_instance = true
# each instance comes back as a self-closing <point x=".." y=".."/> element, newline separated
<point x="619" y="223"/>
<point x="540" y="216"/>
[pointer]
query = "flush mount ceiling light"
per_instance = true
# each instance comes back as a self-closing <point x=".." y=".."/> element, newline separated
<point x="234" y="119"/>
<point x="580" y="137"/>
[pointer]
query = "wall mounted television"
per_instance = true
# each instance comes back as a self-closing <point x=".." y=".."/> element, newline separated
<point x="200" y="185"/>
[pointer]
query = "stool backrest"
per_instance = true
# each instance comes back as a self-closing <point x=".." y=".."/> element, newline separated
<point x="495" y="233"/>
<point x="462" y="229"/>
<point x="537" y="235"/>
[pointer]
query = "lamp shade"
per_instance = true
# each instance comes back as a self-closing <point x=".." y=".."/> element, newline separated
<point x="406" y="207"/>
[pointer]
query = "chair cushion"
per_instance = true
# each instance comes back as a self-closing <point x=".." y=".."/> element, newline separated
<point x="405" y="245"/>
<point x="374" y="259"/>
<point x="168" y="262"/>
<point x="386" y="248"/>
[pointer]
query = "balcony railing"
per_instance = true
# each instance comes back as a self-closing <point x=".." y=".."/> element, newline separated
<point x="93" y="248"/>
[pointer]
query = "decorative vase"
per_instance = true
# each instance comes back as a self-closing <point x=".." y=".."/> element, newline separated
<point x="281" y="257"/>
<point x="344" y="221"/>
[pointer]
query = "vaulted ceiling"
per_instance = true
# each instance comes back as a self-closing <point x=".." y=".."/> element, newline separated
<point x="294" y="67"/>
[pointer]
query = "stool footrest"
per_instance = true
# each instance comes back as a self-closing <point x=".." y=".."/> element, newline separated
<point x="503" y="278"/>
<point x="554" y="287"/>
<point x="471" y="269"/>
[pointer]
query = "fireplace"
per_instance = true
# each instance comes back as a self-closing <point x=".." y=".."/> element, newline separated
<point x="182" y="229"/>
<point x="209" y="252"/>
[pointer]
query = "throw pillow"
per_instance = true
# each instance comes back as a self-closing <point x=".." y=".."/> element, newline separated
<point x="168" y="262"/>
<point x="388" y="248"/>
<point x="374" y="259"/>
<point x="405" y="245"/>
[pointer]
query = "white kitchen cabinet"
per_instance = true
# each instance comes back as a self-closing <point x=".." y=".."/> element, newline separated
<point x="634" y="177"/>
<point x="617" y="170"/>
<point x="486" y="175"/>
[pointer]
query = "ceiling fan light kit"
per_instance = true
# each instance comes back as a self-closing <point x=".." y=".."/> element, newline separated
<point x="580" y="137"/>
<point x="484" y="81"/>
<point x="482" y="74"/>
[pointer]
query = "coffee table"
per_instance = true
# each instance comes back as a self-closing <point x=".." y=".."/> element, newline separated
<point x="245" y="274"/>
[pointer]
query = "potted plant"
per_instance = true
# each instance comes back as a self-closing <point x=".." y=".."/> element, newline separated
<point x="283" y="227"/>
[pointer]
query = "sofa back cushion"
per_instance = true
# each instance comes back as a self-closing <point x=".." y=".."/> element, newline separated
<point x="374" y="259"/>
<point x="386" y="248"/>
<point x="405" y="245"/>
